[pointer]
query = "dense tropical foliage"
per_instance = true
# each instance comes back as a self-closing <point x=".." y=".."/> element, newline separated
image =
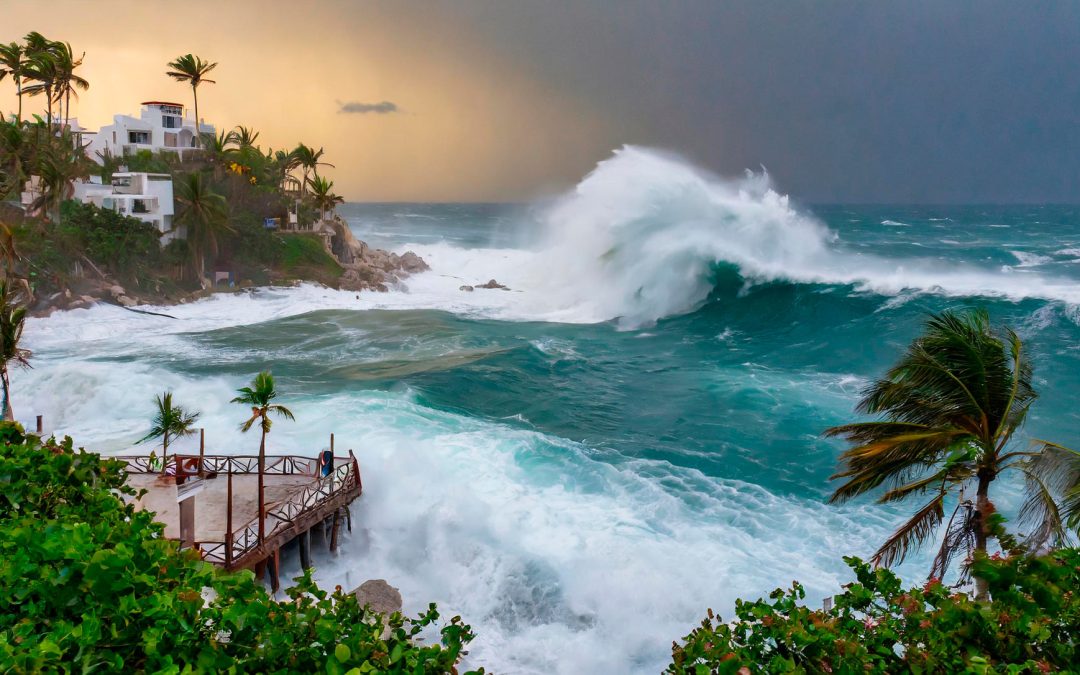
<point x="876" y="625"/>
<point x="89" y="583"/>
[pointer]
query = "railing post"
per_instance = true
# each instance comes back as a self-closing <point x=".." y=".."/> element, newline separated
<point x="40" y="425"/>
<point x="202" y="450"/>
<point x="331" y="445"/>
<point x="228" y="523"/>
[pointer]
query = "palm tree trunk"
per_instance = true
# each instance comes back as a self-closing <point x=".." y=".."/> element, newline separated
<point x="18" y="87"/>
<point x="198" y="131"/>
<point x="67" y="105"/>
<point x="984" y="508"/>
<point x="262" y="503"/>
<point x="8" y="415"/>
<point x="164" y="453"/>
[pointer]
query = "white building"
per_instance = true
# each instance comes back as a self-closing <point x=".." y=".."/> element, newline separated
<point x="146" y="196"/>
<point x="160" y="126"/>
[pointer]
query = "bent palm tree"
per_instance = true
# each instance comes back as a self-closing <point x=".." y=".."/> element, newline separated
<point x="13" y="63"/>
<point x="322" y="192"/>
<point x="308" y="159"/>
<point x="949" y="409"/>
<point x="205" y="215"/>
<point x="67" y="81"/>
<point x="259" y="396"/>
<point x="193" y="70"/>
<point x="169" y="421"/>
<point x="12" y="321"/>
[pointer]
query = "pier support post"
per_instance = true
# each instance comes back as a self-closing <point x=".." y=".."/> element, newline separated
<point x="202" y="451"/>
<point x="334" y="531"/>
<point x="348" y="518"/>
<point x="40" y="425"/>
<point x="275" y="570"/>
<point x="305" y="549"/>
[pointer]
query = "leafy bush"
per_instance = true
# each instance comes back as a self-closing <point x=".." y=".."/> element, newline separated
<point x="89" y="583"/>
<point x="125" y="246"/>
<point x="304" y="255"/>
<point x="1031" y="626"/>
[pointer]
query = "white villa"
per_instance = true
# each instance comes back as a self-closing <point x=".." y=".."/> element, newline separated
<point x="160" y="126"/>
<point x="146" y="196"/>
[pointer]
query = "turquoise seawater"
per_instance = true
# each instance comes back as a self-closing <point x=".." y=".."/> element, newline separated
<point x="584" y="463"/>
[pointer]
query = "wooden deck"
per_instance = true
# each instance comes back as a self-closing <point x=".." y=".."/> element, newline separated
<point x="224" y="492"/>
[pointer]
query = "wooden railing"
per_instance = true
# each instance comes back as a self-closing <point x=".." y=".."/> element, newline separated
<point x="321" y="494"/>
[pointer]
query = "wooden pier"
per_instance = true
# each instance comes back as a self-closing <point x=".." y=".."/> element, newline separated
<point x="211" y="503"/>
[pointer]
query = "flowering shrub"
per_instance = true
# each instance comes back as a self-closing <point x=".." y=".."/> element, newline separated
<point x="89" y="583"/>
<point x="1031" y="625"/>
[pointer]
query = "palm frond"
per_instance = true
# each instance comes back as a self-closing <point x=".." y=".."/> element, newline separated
<point x="959" y="538"/>
<point x="912" y="533"/>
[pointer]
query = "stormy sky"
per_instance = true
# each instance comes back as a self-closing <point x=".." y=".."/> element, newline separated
<point x="923" y="102"/>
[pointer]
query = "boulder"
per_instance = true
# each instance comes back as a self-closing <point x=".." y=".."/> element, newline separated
<point x="493" y="284"/>
<point x="412" y="263"/>
<point x="125" y="301"/>
<point x="117" y="291"/>
<point x="466" y="288"/>
<point x="380" y="596"/>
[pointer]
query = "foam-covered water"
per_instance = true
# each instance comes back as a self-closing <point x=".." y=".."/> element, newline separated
<point x="581" y="465"/>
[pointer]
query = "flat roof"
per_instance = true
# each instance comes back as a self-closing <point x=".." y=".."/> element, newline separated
<point x="180" y="105"/>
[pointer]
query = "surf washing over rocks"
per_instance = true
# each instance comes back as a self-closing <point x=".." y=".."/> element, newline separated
<point x="579" y="466"/>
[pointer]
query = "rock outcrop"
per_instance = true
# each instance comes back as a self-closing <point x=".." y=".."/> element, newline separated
<point x="367" y="268"/>
<point x="380" y="596"/>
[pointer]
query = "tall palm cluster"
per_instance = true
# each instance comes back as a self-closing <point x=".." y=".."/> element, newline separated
<point x="42" y="67"/>
<point x="45" y="148"/>
<point x="948" y="416"/>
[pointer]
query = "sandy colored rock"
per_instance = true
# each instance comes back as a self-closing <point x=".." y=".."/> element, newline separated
<point x="380" y="596"/>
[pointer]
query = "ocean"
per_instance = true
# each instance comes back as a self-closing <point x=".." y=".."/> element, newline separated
<point x="584" y="463"/>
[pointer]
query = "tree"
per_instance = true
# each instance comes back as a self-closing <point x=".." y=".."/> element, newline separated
<point x="67" y="81"/>
<point x="243" y="137"/>
<point x="310" y="160"/>
<point x="193" y="70"/>
<point x="205" y="215"/>
<point x="325" y="199"/>
<point x="948" y="412"/>
<point x="169" y="421"/>
<point x="60" y="162"/>
<point x="42" y="68"/>
<point x="13" y="63"/>
<point x="12" y="321"/>
<point x="259" y="396"/>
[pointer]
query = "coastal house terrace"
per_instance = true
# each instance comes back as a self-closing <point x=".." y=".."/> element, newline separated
<point x="145" y="196"/>
<point x="209" y="503"/>
<point x="160" y="126"/>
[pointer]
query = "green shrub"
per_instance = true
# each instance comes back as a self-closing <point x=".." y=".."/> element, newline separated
<point x="305" y="254"/>
<point x="1031" y="626"/>
<point x="89" y="583"/>
<point x="125" y="246"/>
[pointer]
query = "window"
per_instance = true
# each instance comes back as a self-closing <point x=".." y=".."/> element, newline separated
<point x="170" y="122"/>
<point x="139" y="206"/>
<point x="141" y="137"/>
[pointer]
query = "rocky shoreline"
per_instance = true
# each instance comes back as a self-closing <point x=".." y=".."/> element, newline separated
<point x="364" y="269"/>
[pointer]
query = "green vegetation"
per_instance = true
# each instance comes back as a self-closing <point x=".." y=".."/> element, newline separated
<point x="948" y="411"/>
<point x="224" y="193"/>
<point x="303" y="256"/>
<point x="90" y="583"/>
<point x="12" y="322"/>
<point x="877" y="626"/>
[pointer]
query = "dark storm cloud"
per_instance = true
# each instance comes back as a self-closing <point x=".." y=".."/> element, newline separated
<point x="845" y="100"/>
<point x="381" y="108"/>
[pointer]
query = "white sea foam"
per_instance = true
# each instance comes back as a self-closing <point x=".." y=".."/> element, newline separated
<point x="562" y="563"/>
<point x="1028" y="259"/>
<point x="894" y="223"/>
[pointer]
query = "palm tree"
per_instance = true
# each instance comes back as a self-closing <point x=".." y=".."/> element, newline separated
<point x="67" y="81"/>
<point x="169" y="421"/>
<point x="948" y="412"/>
<point x="13" y="63"/>
<point x="325" y="200"/>
<point x="310" y="160"/>
<point x="259" y="396"/>
<point x="12" y="321"/>
<point x="60" y="163"/>
<point x="43" y="69"/>
<point x="193" y="70"/>
<point x="205" y="214"/>
<point x="243" y="137"/>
